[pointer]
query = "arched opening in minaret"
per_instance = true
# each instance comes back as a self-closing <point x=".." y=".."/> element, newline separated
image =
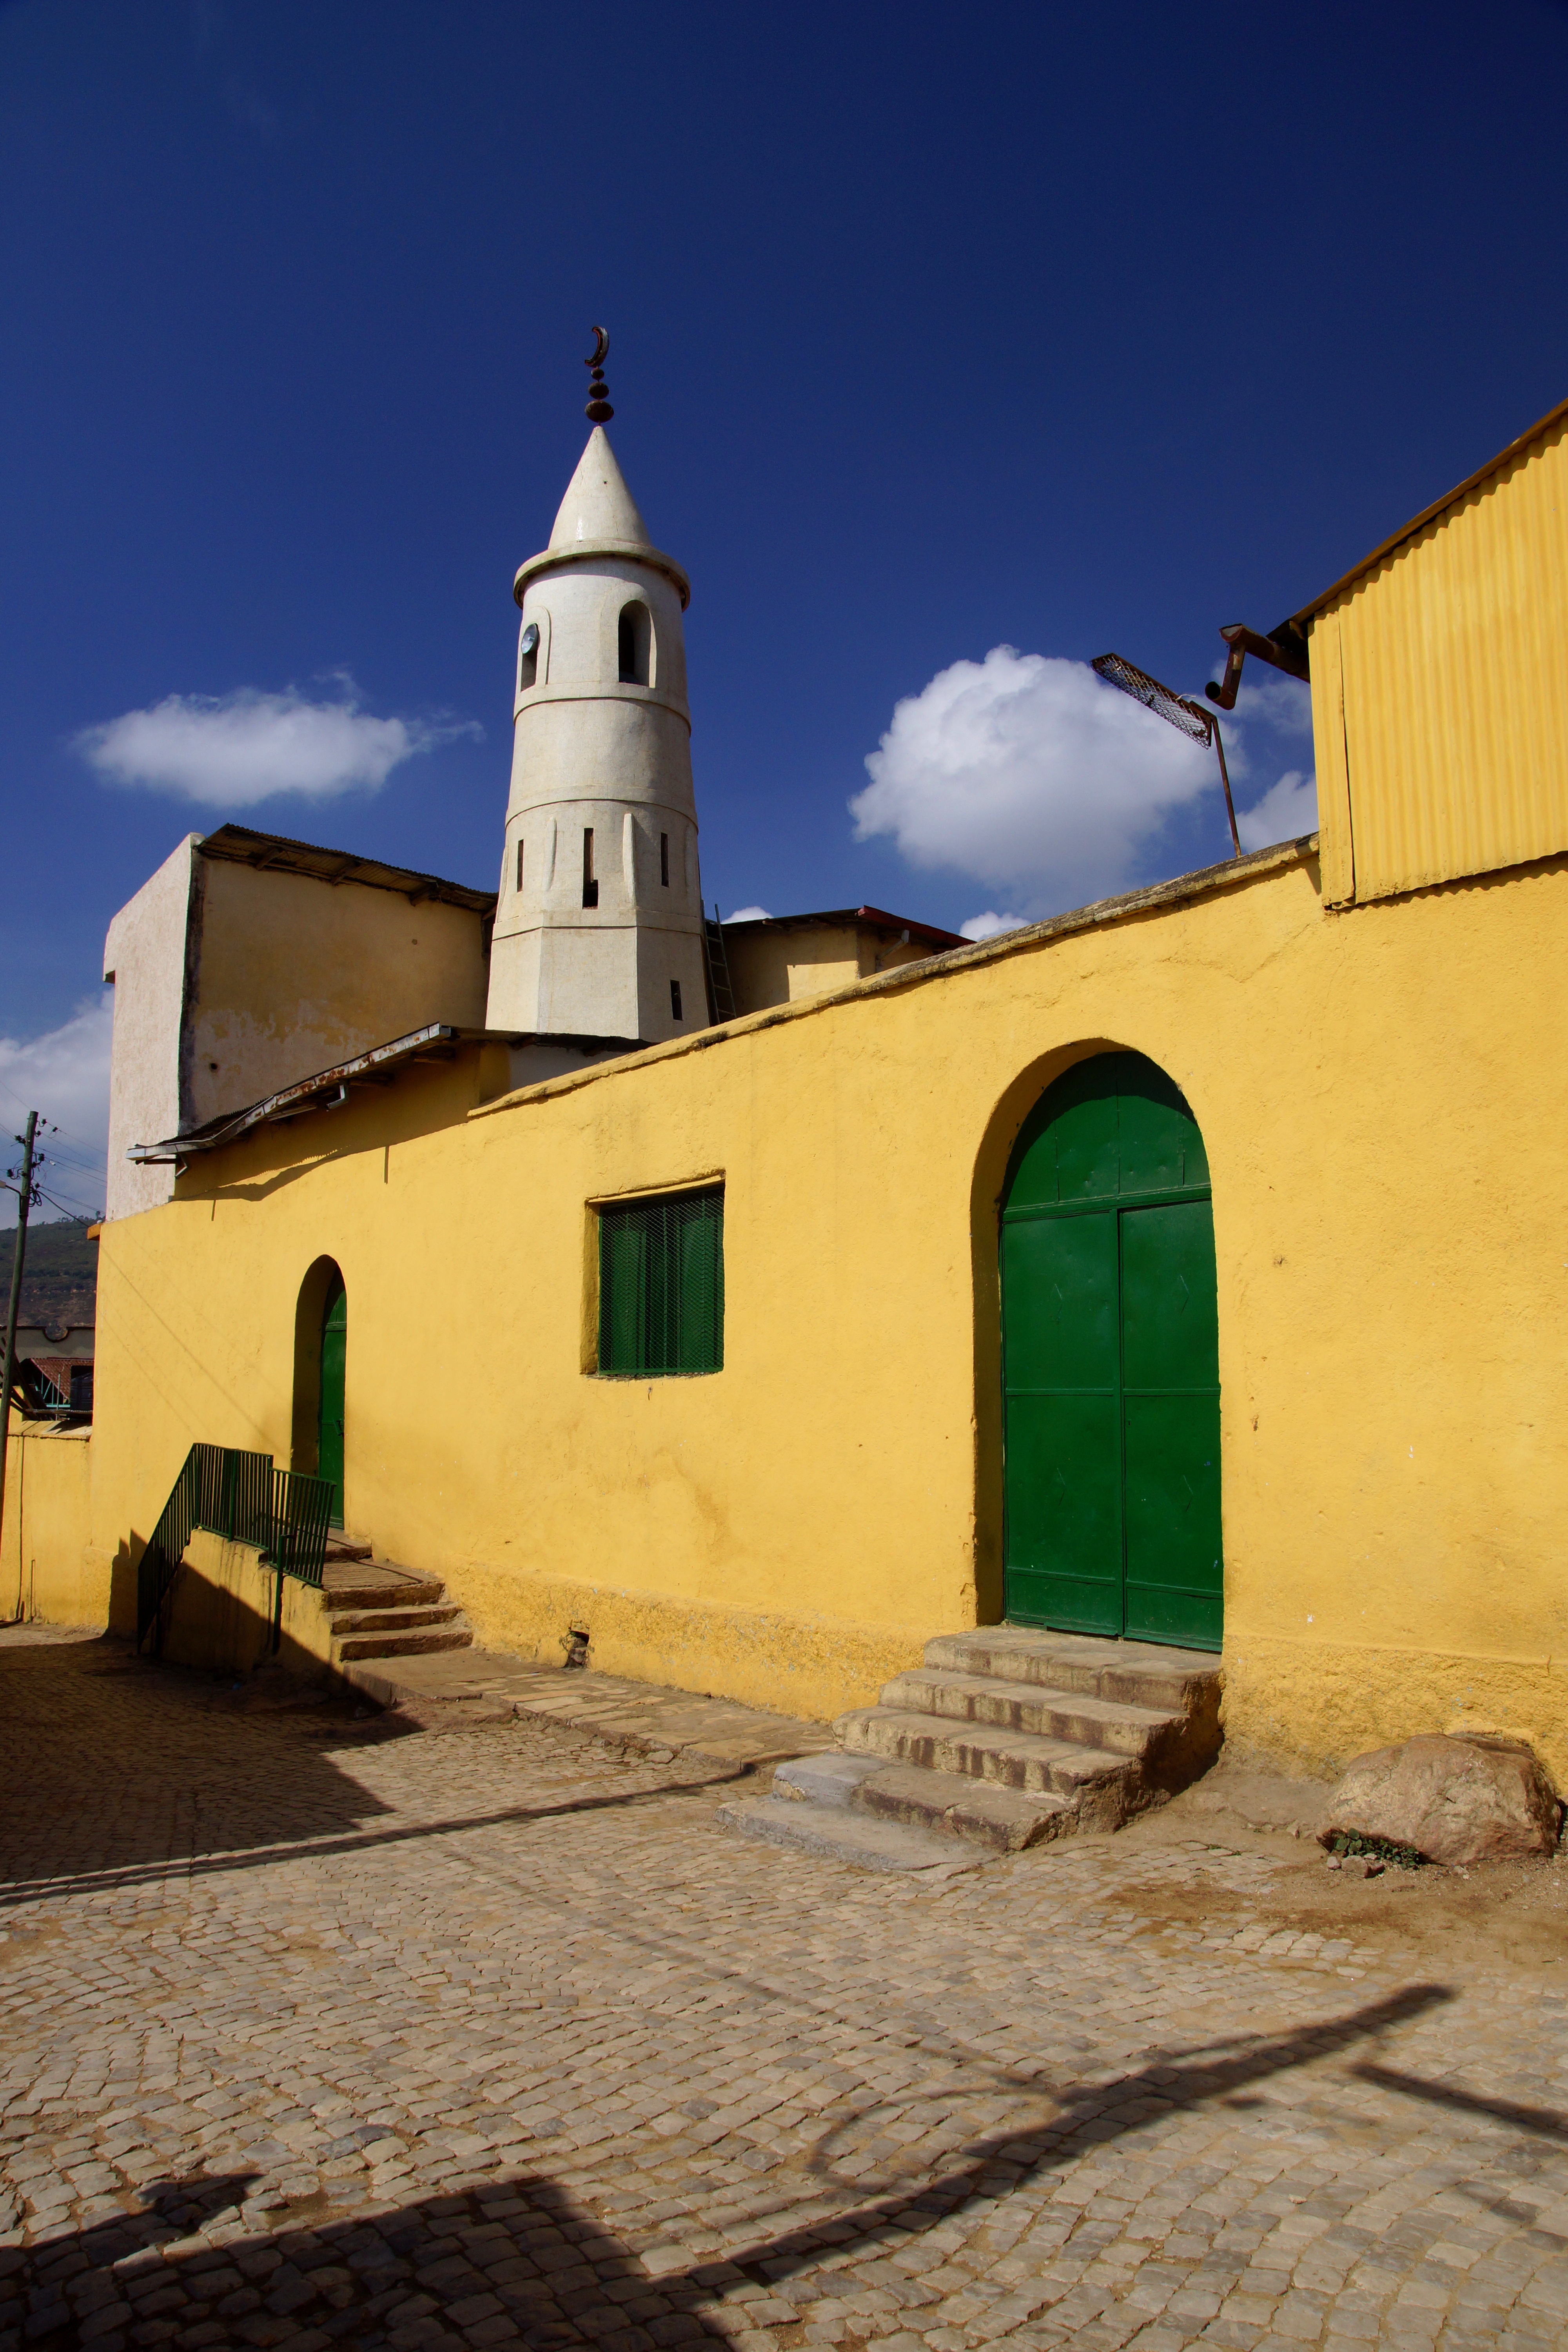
<point x="635" y="637"/>
<point x="528" y="656"/>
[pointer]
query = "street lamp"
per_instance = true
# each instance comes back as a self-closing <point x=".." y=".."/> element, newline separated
<point x="1200" y="726"/>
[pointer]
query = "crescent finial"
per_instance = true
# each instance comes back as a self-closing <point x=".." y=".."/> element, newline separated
<point x="598" y="411"/>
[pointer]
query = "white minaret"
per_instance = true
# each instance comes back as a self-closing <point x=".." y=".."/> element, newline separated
<point x="598" y="932"/>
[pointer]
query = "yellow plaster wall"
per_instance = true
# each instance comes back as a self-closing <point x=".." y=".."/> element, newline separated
<point x="220" y="1609"/>
<point x="779" y="967"/>
<point x="45" y="1571"/>
<point x="1383" y="1108"/>
<point x="295" y="974"/>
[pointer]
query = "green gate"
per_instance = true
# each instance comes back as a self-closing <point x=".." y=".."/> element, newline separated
<point x="1110" y="1368"/>
<point x="330" y="1421"/>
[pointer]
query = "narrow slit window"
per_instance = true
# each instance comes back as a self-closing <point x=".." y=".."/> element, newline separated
<point x="590" y="884"/>
<point x="528" y="657"/>
<point x="520" y="848"/>
<point x="661" y="1286"/>
<point x="664" y="859"/>
<point x="635" y="644"/>
<point x="674" y="1000"/>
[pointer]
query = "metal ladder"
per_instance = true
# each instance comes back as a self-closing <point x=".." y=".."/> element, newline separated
<point x="720" y="995"/>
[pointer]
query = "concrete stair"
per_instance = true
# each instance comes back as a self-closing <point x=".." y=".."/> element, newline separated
<point x="378" y="1610"/>
<point x="1003" y="1738"/>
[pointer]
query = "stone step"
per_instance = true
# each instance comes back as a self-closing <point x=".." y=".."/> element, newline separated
<point x="827" y="1778"/>
<point x="1103" y="1788"/>
<point x="1134" y="1673"/>
<point x="840" y="1833"/>
<point x="953" y="1804"/>
<point x="373" y="1590"/>
<point x="341" y="1548"/>
<point x="394" y="1620"/>
<point x="947" y="1803"/>
<point x="1046" y="1714"/>
<point x="457" y="1636"/>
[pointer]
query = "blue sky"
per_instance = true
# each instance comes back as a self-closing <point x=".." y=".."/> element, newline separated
<point x="932" y="332"/>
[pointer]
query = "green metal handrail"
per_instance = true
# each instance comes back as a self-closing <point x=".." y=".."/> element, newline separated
<point x="286" y="1514"/>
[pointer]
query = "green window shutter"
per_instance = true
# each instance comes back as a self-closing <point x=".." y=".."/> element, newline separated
<point x="699" y="1255"/>
<point x="661" y="1285"/>
<point x="623" y="1292"/>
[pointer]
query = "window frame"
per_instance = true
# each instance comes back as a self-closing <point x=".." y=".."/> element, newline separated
<point x="684" y="1294"/>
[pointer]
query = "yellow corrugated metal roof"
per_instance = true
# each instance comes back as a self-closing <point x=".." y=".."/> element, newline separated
<point x="1408" y="530"/>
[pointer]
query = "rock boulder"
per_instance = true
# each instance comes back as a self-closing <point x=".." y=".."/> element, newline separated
<point x="1456" y="1799"/>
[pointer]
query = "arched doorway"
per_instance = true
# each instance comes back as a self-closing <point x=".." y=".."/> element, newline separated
<point x="1110" y="1355"/>
<point x="321" y="1359"/>
<point x="330" y="1410"/>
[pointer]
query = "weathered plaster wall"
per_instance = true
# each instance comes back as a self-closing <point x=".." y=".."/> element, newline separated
<point x="231" y="982"/>
<point x="219" y="1614"/>
<point x="1382" y="1106"/>
<point x="779" y="967"/>
<point x="144" y="956"/>
<point x="44" y="1570"/>
<point x="295" y="974"/>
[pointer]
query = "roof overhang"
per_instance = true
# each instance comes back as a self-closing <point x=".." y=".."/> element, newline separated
<point x="870" y="919"/>
<point x="379" y="1065"/>
<point x="272" y="853"/>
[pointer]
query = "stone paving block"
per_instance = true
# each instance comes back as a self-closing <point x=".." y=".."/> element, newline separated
<point x="375" y="2025"/>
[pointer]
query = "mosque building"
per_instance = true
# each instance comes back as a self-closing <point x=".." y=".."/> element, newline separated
<point x="765" y="1301"/>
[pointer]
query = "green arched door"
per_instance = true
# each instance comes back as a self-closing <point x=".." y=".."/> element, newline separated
<point x="1110" y="1368"/>
<point x="329" y="1423"/>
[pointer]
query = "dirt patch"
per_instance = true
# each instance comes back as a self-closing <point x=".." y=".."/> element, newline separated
<point x="21" y="1943"/>
<point x="1514" y="1913"/>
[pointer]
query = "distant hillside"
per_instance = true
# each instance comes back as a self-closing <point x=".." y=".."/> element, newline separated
<point x="59" y="1274"/>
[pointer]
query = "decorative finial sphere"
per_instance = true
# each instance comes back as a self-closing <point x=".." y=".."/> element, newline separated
<point x="598" y="411"/>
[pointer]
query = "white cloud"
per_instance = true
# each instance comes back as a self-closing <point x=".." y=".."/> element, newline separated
<point x="990" y="927"/>
<point x="233" y="749"/>
<point x="1026" y="772"/>
<point x="63" y="1076"/>
<point x="1287" y="810"/>
<point x="1280" y="702"/>
<point x="749" y="915"/>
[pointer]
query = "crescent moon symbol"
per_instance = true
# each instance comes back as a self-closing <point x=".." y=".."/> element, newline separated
<point x="601" y="349"/>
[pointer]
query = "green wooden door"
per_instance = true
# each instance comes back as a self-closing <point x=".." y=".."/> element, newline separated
<point x="1111" y="1374"/>
<point x="329" y="1421"/>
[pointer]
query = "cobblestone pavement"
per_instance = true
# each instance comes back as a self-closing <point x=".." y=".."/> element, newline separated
<point x="319" y="2028"/>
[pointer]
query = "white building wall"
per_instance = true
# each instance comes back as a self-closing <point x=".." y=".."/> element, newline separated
<point x="144" y="957"/>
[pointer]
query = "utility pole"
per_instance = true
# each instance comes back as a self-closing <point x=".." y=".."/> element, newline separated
<point x="23" y="1203"/>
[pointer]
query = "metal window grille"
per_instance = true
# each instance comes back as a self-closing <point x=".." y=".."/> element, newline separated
<point x="661" y="1285"/>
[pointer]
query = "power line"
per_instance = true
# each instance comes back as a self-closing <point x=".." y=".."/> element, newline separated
<point x="80" y="1213"/>
<point x="22" y="1104"/>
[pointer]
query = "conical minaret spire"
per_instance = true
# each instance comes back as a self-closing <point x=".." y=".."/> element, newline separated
<point x="598" y="930"/>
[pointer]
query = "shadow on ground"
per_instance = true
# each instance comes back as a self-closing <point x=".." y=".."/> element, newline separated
<point x="118" y="1769"/>
<point x="523" y="2251"/>
<point x="110" y="1761"/>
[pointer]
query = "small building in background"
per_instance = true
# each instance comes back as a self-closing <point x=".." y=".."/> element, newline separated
<point x="778" y="959"/>
<point x="53" y="1370"/>
<point x="247" y="961"/>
